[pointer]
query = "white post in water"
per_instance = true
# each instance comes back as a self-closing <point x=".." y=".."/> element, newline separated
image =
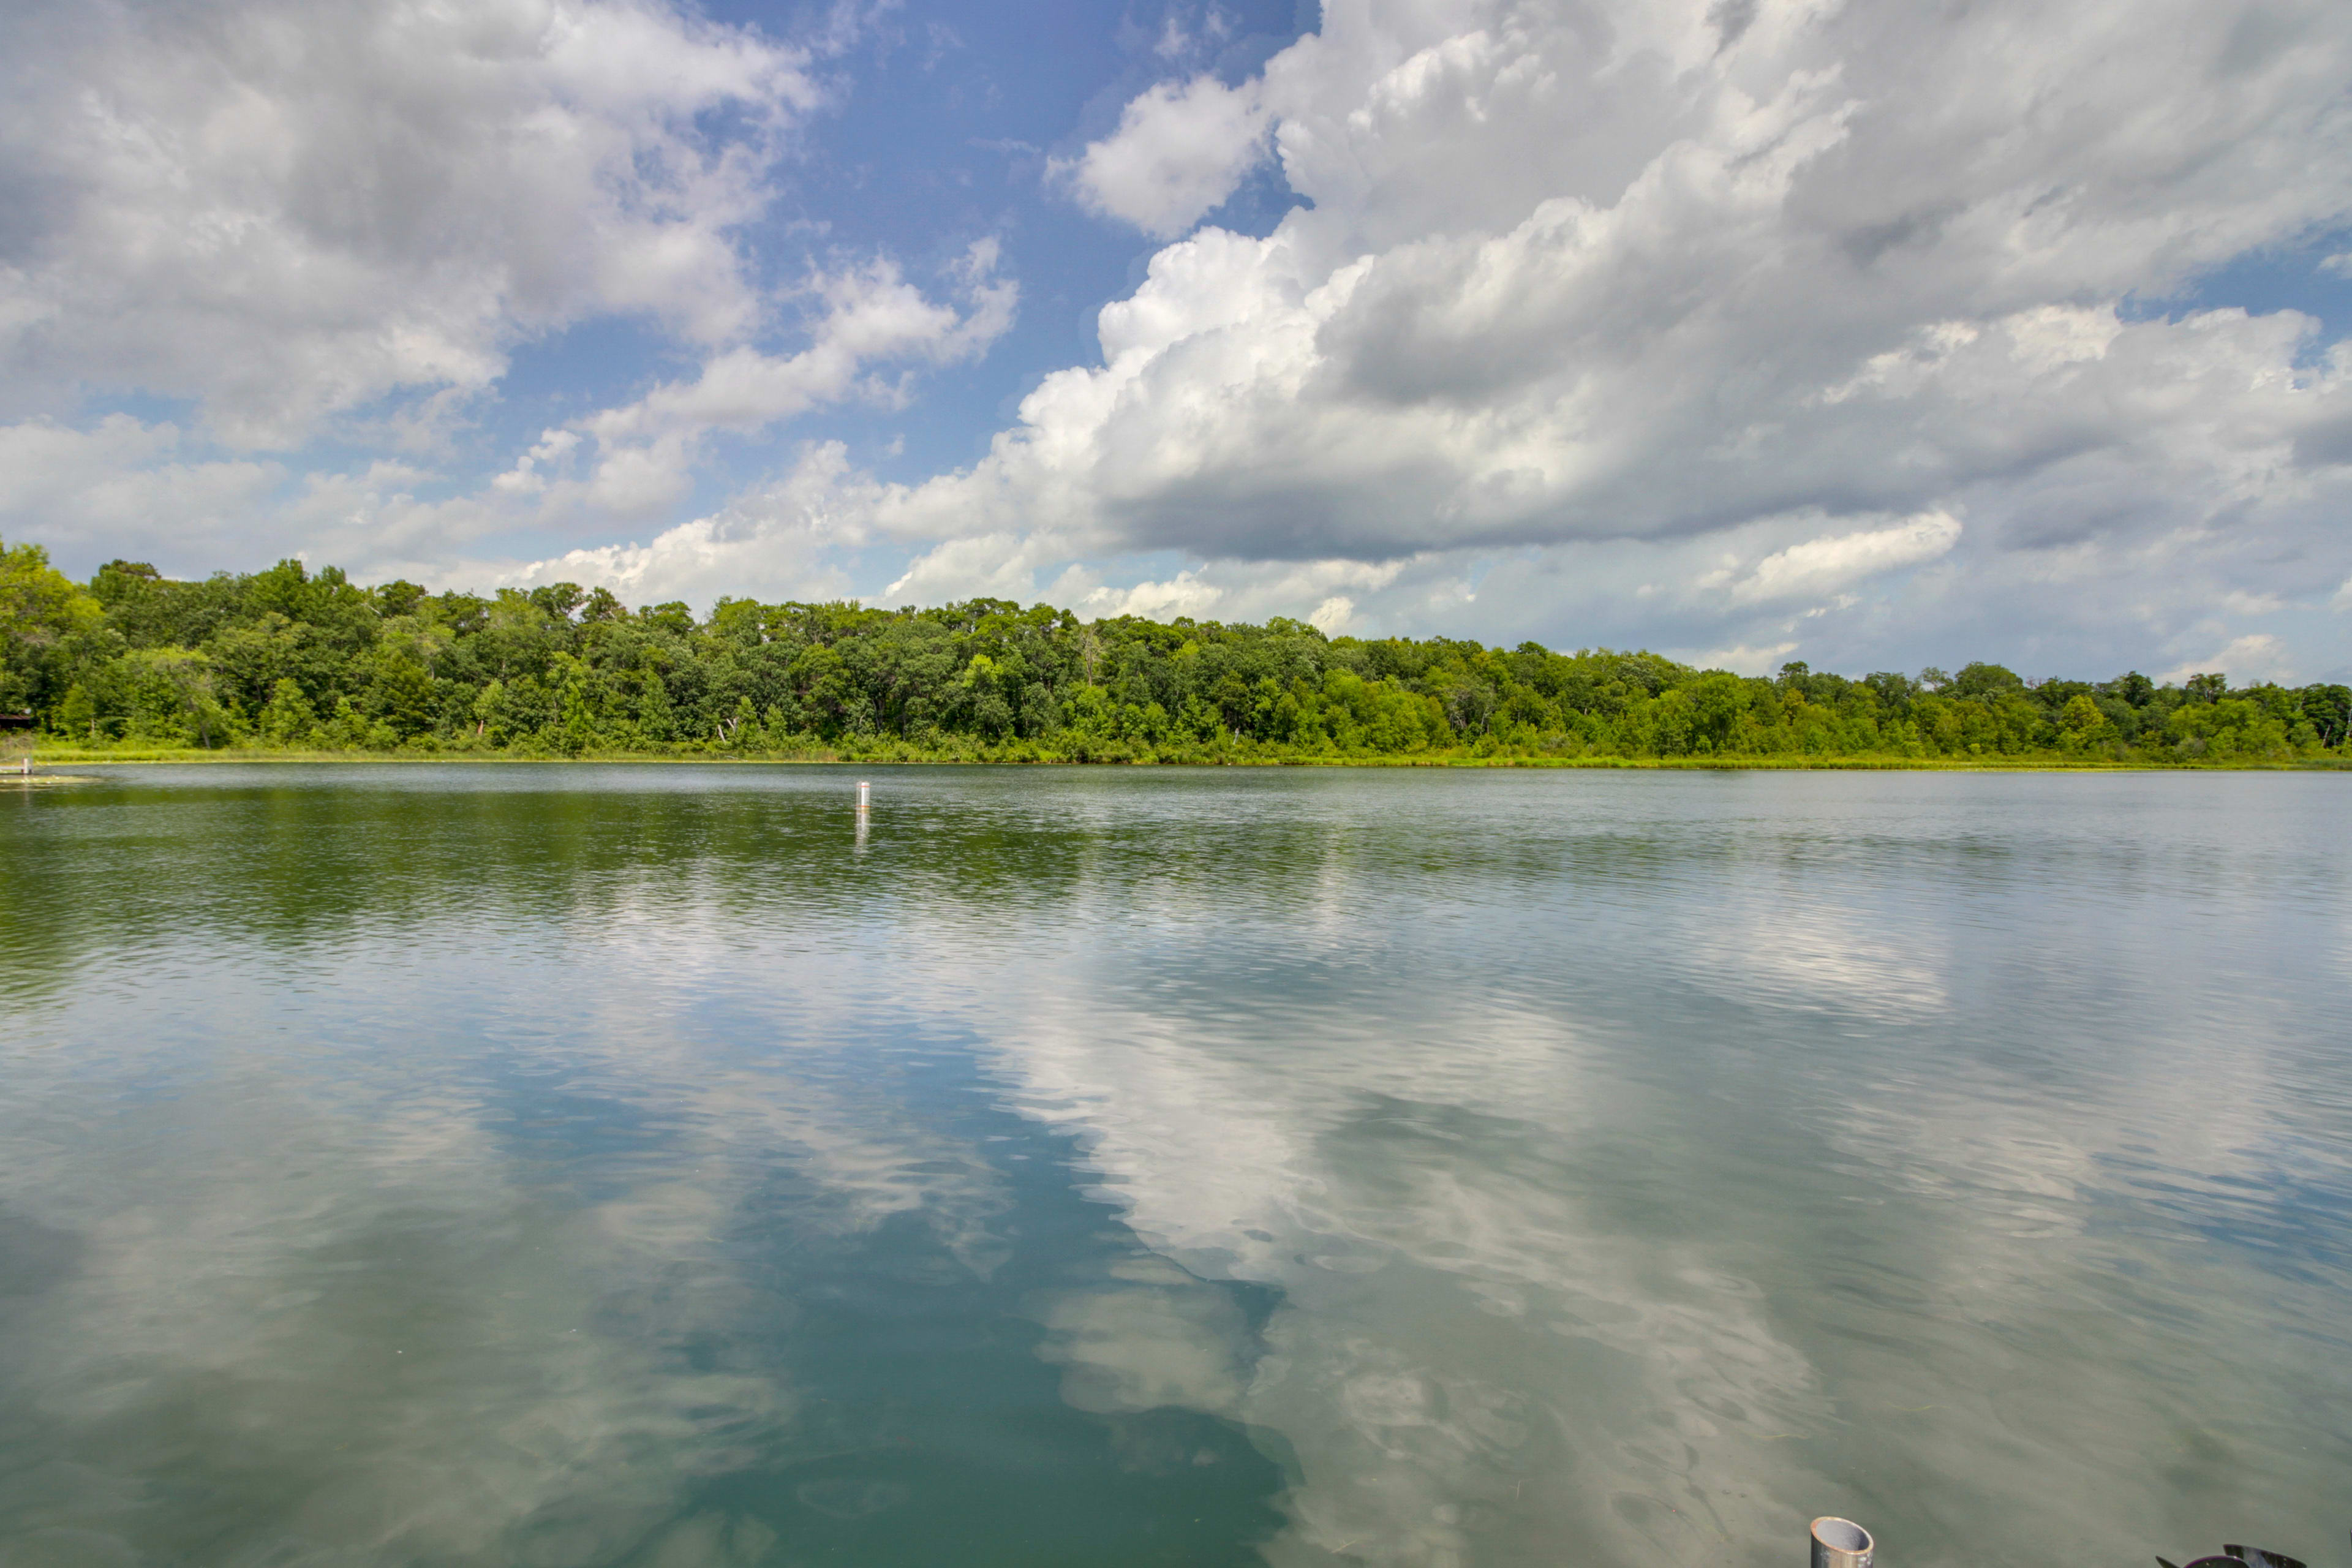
<point x="864" y="797"/>
<point x="1841" y="1544"/>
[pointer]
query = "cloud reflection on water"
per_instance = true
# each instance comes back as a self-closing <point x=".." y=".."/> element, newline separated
<point x="350" y="1333"/>
<point x="1623" y="1171"/>
<point x="1464" y="1351"/>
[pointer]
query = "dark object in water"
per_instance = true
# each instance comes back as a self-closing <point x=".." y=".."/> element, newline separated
<point x="2233" y="1556"/>
<point x="2255" y="1557"/>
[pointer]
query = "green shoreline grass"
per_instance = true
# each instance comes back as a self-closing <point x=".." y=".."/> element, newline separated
<point x="825" y="757"/>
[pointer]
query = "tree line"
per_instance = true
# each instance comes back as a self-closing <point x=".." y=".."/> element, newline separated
<point x="294" y="660"/>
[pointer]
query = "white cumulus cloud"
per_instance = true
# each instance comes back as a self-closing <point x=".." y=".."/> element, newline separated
<point x="282" y="209"/>
<point x="1823" y="565"/>
<point x="1180" y="150"/>
<point x="1620" y="277"/>
<point x="864" y="317"/>
<point x="2256" y="657"/>
<point x="1674" y="321"/>
<point x="776" y="542"/>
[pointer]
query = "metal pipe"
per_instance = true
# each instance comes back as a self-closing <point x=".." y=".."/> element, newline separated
<point x="1841" y="1544"/>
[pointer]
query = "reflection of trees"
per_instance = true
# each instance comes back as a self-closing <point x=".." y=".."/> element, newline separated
<point x="297" y="855"/>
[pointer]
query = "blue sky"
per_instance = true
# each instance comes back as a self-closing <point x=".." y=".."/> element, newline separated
<point x="2291" y="276"/>
<point x="1877" y="338"/>
<point x="941" y="136"/>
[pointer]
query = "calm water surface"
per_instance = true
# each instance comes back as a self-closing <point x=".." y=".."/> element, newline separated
<point x="549" y="1165"/>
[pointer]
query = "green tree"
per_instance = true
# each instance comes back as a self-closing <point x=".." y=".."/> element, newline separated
<point x="77" y="715"/>
<point x="287" y="719"/>
<point x="401" y="695"/>
<point x="44" y="620"/>
<point x="170" y="694"/>
<point x="572" y="670"/>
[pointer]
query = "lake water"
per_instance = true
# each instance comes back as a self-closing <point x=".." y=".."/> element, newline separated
<point x="576" y="1165"/>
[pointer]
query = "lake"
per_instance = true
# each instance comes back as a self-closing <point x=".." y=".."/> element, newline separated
<point x="549" y="1164"/>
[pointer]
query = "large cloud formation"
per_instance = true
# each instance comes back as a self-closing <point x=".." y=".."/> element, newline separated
<point x="282" y="210"/>
<point x="1734" y="327"/>
<point x="325" y="226"/>
<point x="1714" y="319"/>
<point x="1784" y="274"/>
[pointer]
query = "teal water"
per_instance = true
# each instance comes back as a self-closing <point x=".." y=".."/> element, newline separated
<point x="575" y="1165"/>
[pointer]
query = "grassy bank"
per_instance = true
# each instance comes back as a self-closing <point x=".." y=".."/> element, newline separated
<point x="902" y="753"/>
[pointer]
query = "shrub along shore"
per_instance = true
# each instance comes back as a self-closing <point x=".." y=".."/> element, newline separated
<point x="290" y="664"/>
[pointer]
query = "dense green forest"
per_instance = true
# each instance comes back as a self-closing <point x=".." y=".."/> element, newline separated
<point x="291" y="660"/>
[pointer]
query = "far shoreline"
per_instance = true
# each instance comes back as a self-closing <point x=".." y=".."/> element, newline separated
<point x="158" y="758"/>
